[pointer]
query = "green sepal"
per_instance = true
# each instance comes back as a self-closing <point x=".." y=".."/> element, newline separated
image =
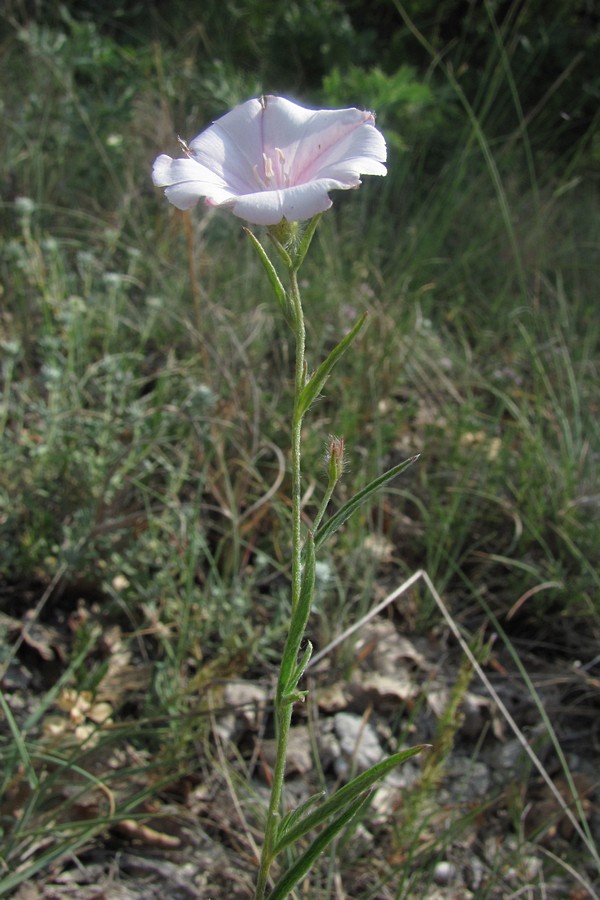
<point x="305" y="862"/>
<point x="285" y="256"/>
<point x="315" y="384"/>
<point x="345" y="795"/>
<point x="288" y="674"/>
<point x="345" y="511"/>
<point x="305" y="241"/>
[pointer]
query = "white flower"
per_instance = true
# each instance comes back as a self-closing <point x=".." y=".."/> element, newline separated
<point x="270" y="159"/>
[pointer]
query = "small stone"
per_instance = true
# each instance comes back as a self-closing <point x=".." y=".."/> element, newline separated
<point x="467" y="779"/>
<point x="475" y="712"/>
<point x="358" y="743"/>
<point x="247" y="702"/>
<point x="510" y="753"/>
<point x="385" y="691"/>
<point x="444" y="873"/>
<point x="474" y="873"/>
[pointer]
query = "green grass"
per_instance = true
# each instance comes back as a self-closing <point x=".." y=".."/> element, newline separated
<point x="146" y="377"/>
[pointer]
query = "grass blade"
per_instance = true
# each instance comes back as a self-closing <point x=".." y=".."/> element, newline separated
<point x="20" y="745"/>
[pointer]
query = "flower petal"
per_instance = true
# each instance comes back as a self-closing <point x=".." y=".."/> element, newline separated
<point x="232" y="147"/>
<point x="186" y="181"/>
<point x="296" y="204"/>
<point x="360" y="152"/>
<point x="314" y="140"/>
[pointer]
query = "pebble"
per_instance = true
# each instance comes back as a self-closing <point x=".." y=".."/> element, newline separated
<point x="444" y="873"/>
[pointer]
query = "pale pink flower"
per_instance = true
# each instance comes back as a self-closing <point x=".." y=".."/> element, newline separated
<point x="270" y="159"/>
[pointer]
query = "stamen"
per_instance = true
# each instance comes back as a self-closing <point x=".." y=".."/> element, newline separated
<point x="259" y="180"/>
<point x="269" y="173"/>
<point x="281" y="157"/>
<point x="185" y="147"/>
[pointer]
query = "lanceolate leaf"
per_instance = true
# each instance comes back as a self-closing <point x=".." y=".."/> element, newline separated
<point x="344" y="513"/>
<point x="303" y="865"/>
<point x="346" y="794"/>
<point x="302" y="665"/>
<point x="289" y="661"/>
<point x="271" y="272"/>
<point x="292" y="817"/>
<point x="315" y="385"/>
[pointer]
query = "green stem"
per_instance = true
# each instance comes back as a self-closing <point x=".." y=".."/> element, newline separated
<point x="321" y="511"/>
<point x="299" y="381"/>
<point x="283" y="707"/>
<point x="283" y="714"/>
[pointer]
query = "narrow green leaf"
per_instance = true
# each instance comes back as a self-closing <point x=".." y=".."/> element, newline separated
<point x="292" y="817"/>
<point x="304" y="864"/>
<point x="289" y="661"/>
<point x="344" y="513"/>
<point x="276" y="284"/>
<point x="20" y="745"/>
<point x="343" y="796"/>
<point x="304" y="661"/>
<point x="315" y="385"/>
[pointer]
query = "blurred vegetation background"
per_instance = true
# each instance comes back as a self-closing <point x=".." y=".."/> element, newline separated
<point x="146" y="371"/>
<point x="478" y="256"/>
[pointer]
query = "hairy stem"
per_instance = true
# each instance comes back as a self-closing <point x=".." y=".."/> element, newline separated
<point x="283" y="706"/>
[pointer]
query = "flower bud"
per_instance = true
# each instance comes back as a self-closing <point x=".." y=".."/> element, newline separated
<point x="335" y="458"/>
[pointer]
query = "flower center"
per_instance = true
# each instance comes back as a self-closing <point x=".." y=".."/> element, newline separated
<point x="276" y="176"/>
